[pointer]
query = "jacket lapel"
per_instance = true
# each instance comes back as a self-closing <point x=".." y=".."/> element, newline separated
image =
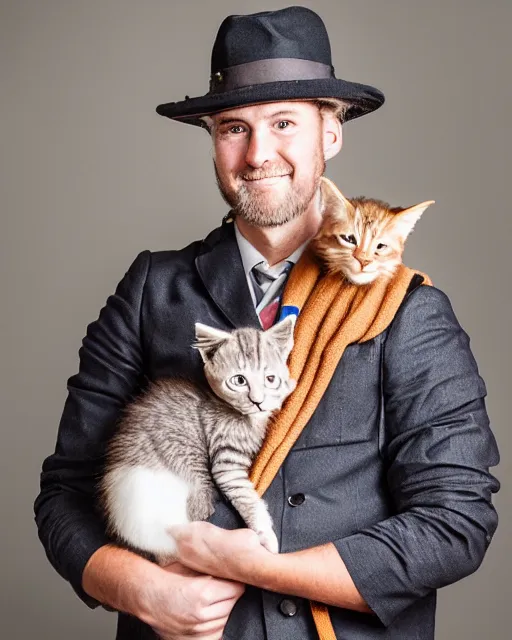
<point x="220" y="268"/>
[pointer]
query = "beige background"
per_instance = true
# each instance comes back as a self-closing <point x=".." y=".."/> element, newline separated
<point x="91" y="176"/>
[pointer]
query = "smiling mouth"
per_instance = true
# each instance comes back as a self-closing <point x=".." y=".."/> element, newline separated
<point x="267" y="180"/>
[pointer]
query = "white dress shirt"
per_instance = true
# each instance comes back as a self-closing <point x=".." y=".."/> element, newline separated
<point x="251" y="257"/>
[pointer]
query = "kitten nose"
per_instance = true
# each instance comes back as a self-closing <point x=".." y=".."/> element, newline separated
<point x="256" y="398"/>
<point x="363" y="262"/>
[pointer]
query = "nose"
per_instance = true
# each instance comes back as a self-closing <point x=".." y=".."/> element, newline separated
<point x="260" y="148"/>
<point x="363" y="261"/>
<point x="256" y="397"/>
<point x="360" y="255"/>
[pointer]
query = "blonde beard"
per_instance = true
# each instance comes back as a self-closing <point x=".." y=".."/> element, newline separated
<point x="256" y="210"/>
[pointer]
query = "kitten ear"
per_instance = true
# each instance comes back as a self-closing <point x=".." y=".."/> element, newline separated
<point x="333" y="198"/>
<point x="282" y="334"/>
<point x="208" y="340"/>
<point x="404" y="221"/>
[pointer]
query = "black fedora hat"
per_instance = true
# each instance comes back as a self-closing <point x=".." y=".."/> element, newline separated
<point x="272" y="56"/>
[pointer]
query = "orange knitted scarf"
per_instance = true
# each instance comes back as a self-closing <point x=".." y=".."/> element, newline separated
<point x="333" y="314"/>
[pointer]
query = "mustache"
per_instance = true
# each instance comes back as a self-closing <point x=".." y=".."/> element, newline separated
<point x="259" y="174"/>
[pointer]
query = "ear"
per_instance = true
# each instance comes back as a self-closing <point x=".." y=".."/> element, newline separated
<point x="334" y="200"/>
<point x="282" y="334"/>
<point x="332" y="135"/>
<point x="405" y="220"/>
<point x="208" y="340"/>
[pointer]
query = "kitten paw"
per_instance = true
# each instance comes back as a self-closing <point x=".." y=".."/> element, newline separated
<point x="269" y="540"/>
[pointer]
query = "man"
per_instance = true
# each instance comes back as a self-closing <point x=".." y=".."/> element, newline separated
<point x="386" y="495"/>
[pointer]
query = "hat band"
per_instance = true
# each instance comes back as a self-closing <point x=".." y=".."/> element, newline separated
<point x="270" y="70"/>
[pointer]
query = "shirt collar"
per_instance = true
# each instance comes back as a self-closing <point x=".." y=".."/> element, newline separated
<point x="251" y="256"/>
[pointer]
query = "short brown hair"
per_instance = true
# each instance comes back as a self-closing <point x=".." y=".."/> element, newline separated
<point x="337" y="107"/>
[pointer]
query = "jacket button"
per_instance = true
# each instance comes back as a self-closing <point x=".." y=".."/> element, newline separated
<point x="288" y="607"/>
<point x="296" y="500"/>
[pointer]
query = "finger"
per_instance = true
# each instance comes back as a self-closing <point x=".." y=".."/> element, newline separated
<point x="218" y="611"/>
<point x="177" y="530"/>
<point x="210" y="630"/>
<point x="225" y="590"/>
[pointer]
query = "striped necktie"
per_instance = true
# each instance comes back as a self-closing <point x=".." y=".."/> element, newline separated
<point x="269" y="287"/>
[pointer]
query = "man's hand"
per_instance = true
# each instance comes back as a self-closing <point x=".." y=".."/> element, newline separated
<point x="197" y="607"/>
<point x="218" y="552"/>
<point x="177" y="602"/>
<point x="317" y="573"/>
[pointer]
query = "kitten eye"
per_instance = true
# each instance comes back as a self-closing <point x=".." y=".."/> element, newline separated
<point x="381" y="246"/>
<point x="272" y="381"/>
<point x="238" y="381"/>
<point x="350" y="239"/>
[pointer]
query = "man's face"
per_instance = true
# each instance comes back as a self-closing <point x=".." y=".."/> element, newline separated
<point x="269" y="159"/>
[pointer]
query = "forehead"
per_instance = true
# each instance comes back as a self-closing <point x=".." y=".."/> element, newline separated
<point x="254" y="113"/>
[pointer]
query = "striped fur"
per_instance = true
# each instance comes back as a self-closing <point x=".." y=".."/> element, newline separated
<point x="176" y="444"/>
<point x="363" y="239"/>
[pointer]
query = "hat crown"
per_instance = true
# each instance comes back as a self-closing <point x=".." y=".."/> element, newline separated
<point x="273" y="56"/>
<point x="294" y="32"/>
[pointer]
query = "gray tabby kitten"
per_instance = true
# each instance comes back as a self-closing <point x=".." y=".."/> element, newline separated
<point x="176" y="440"/>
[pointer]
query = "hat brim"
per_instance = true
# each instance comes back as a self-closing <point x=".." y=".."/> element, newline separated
<point x="362" y="98"/>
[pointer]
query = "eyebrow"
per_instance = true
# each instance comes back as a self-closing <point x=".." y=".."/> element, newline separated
<point x="284" y="112"/>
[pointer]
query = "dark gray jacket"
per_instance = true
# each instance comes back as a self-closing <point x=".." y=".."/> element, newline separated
<point x="393" y="466"/>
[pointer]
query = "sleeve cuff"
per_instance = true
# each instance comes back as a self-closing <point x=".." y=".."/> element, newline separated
<point x="366" y="570"/>
<point x="81" y="548"/>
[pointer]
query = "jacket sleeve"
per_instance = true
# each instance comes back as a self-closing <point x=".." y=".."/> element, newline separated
<point x="110" y="370"/>
<point x="438" y="451"/>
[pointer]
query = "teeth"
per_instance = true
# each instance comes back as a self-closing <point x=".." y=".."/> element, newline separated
<point x="263" y="177"/>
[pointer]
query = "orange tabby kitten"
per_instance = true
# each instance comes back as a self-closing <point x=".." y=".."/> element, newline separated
<point x="362" y="238"/>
